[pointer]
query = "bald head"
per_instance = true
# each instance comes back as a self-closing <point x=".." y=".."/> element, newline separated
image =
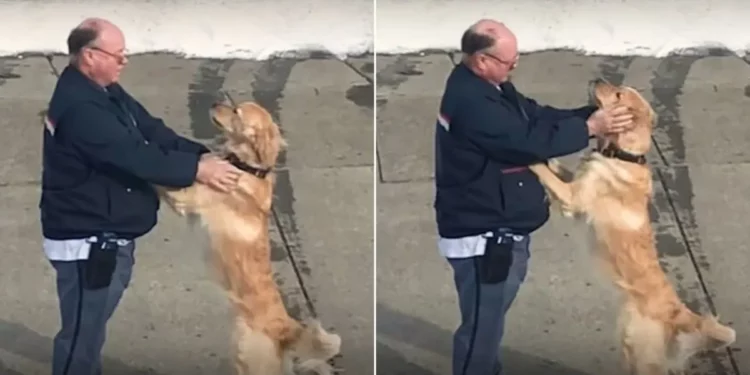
<point x="490" y="50"/>
<point x="97" y="48"/>
<point x="91" y="31"/>
<point x="485" y="35"/>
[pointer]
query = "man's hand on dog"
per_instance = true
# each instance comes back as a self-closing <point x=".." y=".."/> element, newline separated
<point x="217" y="173"/>
<point x="610" y="121"/>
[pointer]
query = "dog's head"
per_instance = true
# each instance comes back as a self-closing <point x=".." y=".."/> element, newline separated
<point x="637" y="140"/>
<point x="250" y="131"/>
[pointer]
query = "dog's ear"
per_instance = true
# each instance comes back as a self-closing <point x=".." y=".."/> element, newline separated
<point x="246" y="123"/>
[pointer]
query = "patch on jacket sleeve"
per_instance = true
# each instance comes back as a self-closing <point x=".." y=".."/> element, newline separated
<point x="49" y="125"/>
<point x="444" y="121"/>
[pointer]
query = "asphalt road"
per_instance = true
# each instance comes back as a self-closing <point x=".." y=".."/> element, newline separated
<point x="563" y="319"/>
<point x="173" y="319"/>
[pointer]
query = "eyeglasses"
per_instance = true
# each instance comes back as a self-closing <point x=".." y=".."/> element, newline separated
<point x="512" y="64"/>
<point x="120" y="57"/>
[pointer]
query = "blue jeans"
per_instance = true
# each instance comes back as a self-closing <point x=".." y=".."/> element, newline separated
<point x="84" y="314"/>
<point x="476" y="342"/>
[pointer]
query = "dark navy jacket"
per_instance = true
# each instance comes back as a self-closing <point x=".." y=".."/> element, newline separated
<point x="482" y="183"/>
<point x="101" y="152"/>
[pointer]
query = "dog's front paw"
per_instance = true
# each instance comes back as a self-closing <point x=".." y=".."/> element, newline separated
<point x="175" y="199"/>
<point x="566" y="212"/>
<point x="559" y="206"/>
<point x="555" y="166"/>
<point x="179" y="208"/>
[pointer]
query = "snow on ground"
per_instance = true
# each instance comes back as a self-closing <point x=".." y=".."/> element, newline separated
<point x="611" y="27"/>
<point x="254" y="29"/>
<point x="259" y="29"/>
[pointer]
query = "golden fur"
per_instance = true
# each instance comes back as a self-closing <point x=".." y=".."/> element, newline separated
<point x="266" y="340"/>
<point x="658" y="333"/>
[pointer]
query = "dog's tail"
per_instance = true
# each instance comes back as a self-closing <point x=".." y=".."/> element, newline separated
<point x="306" y="349"/>
<point x="706" y="330"/>
<point x="699" y="333"/>
<point x="718" y="335"/>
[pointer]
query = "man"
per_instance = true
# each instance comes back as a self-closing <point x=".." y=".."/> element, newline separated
<point x="487" y="201"/>
<point x="102" y="153"/>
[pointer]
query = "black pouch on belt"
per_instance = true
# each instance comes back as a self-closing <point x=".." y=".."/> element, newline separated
<point x="494" y="265"/>
<point x="100" y="266"/>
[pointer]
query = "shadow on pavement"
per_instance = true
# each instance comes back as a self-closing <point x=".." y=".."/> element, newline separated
<point x="429" y="337"/>
<point x="23" y="341"/>
<point x="6" y="371"/>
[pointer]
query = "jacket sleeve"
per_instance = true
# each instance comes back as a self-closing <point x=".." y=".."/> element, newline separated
<point x="154" y="129"/>
<point x="505" y="137"/>
<point x="97" y="134"/>
<point x="540" y="111"/>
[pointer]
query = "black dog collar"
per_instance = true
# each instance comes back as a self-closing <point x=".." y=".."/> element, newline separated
<point x="241" y="165"/>
<point x="611" y="151"/>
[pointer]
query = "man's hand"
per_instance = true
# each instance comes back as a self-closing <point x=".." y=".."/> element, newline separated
<point x="209" y="155"/>
<point x="610" y="121"/>
<point x="216" y="173"/>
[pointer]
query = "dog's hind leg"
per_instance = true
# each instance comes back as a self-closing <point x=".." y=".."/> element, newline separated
<point x="626" y="344"/>
<point x="255" y="352"/>
<point x="644" y="348"/>
<point x="649" y="347"/>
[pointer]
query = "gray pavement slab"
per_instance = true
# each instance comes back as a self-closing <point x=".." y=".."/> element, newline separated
<point x="720" y="211"/>
<point x="174" y="318"/>
<point x="565" y="300"/>
<point x="406" y="96"/>
<point x="715" y="112"/>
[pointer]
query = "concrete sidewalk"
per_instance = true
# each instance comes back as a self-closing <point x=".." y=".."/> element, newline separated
<point x="173" y="319"/>
<point x="563" y="320"/>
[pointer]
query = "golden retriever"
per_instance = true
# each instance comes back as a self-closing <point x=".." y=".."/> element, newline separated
<point x="266" y="340"/>
<point x="612" y="188"/>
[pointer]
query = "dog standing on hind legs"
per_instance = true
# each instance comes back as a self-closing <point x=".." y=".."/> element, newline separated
<point x="612" y="188"/>
<point x="266" y="340"/>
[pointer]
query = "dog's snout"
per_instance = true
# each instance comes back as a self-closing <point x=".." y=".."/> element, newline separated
<point x="218" y="103"/>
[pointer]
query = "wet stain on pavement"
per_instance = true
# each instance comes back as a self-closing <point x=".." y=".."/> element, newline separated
<point x="290" y="297"/>
<point x="278" y="251"/>
<point x="6" y="71"/>
<point x="666" y="87"/>
<point x="397" y="72"/>
<point x="267" y="89"/>
<point x="667" y="84"/>
<point x="361" y="95"/>
<point x="4" y="76"/>
<point x="368" y="67"/>
<point x="202" y="93"/>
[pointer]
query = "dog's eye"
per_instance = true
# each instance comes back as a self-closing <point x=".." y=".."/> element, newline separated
<point x="617" y="95"/>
